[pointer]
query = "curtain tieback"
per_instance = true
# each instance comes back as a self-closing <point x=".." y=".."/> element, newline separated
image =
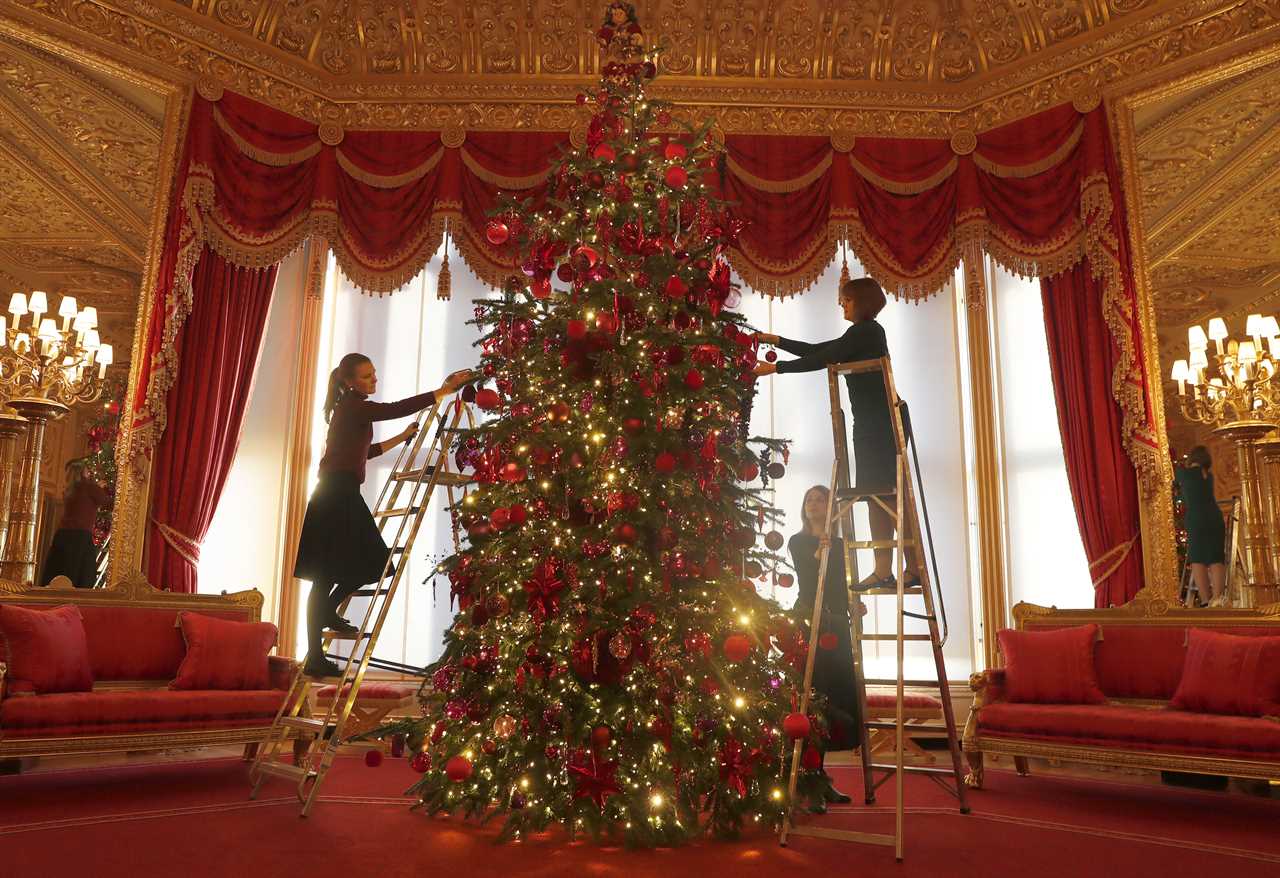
<point x="184" y="545"/>
<point x="1121" y="550"/>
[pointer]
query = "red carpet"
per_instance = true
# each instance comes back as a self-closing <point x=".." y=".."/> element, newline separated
<point x="193" y="819"/>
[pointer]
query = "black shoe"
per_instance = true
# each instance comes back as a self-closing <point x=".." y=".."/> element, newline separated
<point x="339" y="625"/>
<point x="319" y="666"/>
<point x="818" y="807"/>
<point x="835" y="797"/>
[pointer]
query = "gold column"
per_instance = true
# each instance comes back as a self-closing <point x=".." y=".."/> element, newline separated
<point x="18" y="563"/>
<point x="1268" y="451"/>
<point x="11" y="427"/>
<point x="299" y="450"/>
<point x="986" y="455"/>
<point x="1253" y="540"/>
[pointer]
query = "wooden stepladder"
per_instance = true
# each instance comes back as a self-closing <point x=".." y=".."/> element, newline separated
<point x="901" y="504"/>
<point x="402" y="505"/>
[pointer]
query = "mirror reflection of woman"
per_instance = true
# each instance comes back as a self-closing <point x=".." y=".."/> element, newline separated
<point x="833" y="674"/>
<point x="341" y="549"/>
<point x="1206" y="532"/>
<point x="72" y="553"/>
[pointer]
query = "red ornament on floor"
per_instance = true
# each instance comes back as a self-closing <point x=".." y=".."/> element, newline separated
<point x="373" y="758"/>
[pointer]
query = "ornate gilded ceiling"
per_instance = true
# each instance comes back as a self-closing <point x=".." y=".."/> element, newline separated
<point x="1209" y="171"/>
<point x="78" y="156"/>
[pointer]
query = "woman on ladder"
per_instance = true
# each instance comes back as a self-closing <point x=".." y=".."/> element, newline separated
<point x="341" y="548"/>
<point x="833" y="672"/>
<point x="874" y="447"/>
<point x="1206" y="533"/>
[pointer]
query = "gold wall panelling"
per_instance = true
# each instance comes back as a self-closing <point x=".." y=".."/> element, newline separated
<point x="796" y="67"/>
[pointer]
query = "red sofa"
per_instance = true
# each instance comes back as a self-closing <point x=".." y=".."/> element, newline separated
<point x="1138" y="658"/>
<point x="135" y="648"/>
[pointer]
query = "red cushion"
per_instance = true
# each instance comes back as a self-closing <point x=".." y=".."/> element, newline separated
<point x="370" y="691"/>
<point x="910" y="701"/>
<point x="47" y="649"/>
<point x="136" y="643"/>
<point x="1225" y="673"/>
<point x="223" y="654"/>
<point x="1134" y="728"/>
<point x="126" y="711"/>
<point x="1051" y="667"/>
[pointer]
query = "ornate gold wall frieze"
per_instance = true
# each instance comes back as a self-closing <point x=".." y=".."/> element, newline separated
<point x="859" y="66"/>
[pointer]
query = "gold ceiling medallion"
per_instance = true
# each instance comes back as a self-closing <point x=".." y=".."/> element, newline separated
<point x="453" y="136"/>
<point x="209" y="88"/>
<point x="964" y="142"/>
<point x="842" y="141"/>
<point x="330" y="133"/>
<point x="1087" y="101"/>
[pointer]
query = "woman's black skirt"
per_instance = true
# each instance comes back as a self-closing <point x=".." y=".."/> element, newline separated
<point x="72" y="554"/>
<point x="340" y="541"/>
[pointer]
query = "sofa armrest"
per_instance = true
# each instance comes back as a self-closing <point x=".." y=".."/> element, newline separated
<point x="988" y="687"/>
<point x="281" y="670"/>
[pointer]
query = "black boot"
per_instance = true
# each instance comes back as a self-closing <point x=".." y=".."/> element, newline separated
<point x="317" y="665"/>
<point x="835" y="797"/>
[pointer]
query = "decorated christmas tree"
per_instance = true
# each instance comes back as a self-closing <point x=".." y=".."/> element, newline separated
<point x="100" y="458"/>
<point x="612" y="667"/>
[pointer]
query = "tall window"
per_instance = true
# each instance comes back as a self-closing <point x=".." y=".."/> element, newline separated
<point x="1045" y="557"/>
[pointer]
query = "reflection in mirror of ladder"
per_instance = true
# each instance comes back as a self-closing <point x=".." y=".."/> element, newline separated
<point x="401" y="507"/>
<point x="901" y="502"/>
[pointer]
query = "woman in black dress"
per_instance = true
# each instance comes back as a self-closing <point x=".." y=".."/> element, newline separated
<point x="833" y="674"/>
<point x="1206" y="534"/>
<point x="72" y="553"/>
<point x="341" y="548"/>
<point x="874" y="447"/>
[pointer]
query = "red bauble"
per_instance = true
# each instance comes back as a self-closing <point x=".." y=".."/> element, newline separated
<point x="811" y="760"/>
<point x="565" y="272"/>
<point x="786" y="580"/>
<point x="373" y="758"/>
<point x="676" y="177"/>
<point x="576" y="329"/>
<point x="675" y="151"/>
<point x="828" y="641"/>
<point x="665" y="462"/>
<point x="487" y="398"/>
<point x="605" y="152"/>
<point x="500" y="517"/>
<point x="517" y="515"/>
<point x="633" y="425"/>
<point x="744" y="538"/>
<point x="796" y="726"/>
<point x="752" y="568"/>
<point x="737" y="647"/>
<point x="625" y="533"/>
<point x="595" y="179"/>
<point x="489" y="747"/>
<point x="497" y="233"/>
<point x="560" y="411"/>
<point x="748" y="472"/>
<point x="541" y="288"/>
<point x="773" y="540"/>
<point x="513" y="472"/>
<point x="693" y="379"/>
<point x="421" y="762"/>
<point x="458" y="769"/>
<point x="676" y="288"/>
<point x="601" y="736"/>
<point x="606" y="322"/>
<point x="771" y="356"/>
<point x="777" y="470"/>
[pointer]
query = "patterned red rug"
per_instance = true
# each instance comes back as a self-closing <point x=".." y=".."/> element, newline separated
<point x="194" y="819"/>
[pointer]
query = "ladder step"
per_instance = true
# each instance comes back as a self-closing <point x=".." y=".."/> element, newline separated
<point x="342" y="635"/>
<point x="303" y="723"/>
<point x="924" y="637"/>
<point x="878" y="544"/>
<point x="916" y="769"/>
<point x="927" y="617"/>
<point x="451" y="479"/>
<point x="369" y="592"/>
<point x="287" y="771"/>
<point x="887" y="592"/>
<point x="856" y="493"/>
<point x="909" y="729"/>
<point x="392" y="513"/>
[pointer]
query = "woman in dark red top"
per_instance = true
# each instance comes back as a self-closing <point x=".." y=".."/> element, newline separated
<point x="341" y="548"/>
<point x="72" y="553"/>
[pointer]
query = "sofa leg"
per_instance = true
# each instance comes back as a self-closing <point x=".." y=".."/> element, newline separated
<point x="973" y="779"/>
<point x="17" y="765"/>
<point x="1020" y="766"/>
<point x="250" y="751"/>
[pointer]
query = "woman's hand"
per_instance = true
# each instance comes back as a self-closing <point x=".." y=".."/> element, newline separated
<point x="766" y="338"/>
<point x="763" y="369"/>
<point x="455" y="381"/>
<point x="408" y="433"/>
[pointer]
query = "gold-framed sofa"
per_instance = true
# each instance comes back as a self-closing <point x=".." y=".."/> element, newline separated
<point x="135" y="647"/>
<point x="1139" y="656"/>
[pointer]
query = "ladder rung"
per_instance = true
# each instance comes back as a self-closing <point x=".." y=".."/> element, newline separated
<point x="912" y="684"/>
<point x="392" y="513"/>
<point x="855" y="493"/>
<point x="445" y="478"/>
<point x="303" y="723"/>
<point x="895" y="637"/>
<point x="926" y="617"/>
<point x="916" y="769"/>
<point x="285" y="770"/>
<point x="910" y="729"/>
<point x="342" y="635"/>
<point x="887" y="592"/>
<point x="369" y="592"/>
<point x="878" y="544"/>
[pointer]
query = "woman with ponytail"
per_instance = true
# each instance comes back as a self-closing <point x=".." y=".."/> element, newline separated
<point x="341" y="548"/>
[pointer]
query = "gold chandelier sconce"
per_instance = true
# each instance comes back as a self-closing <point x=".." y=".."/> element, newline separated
<point x="45" y="369"/>
<point x="1237" y="395"/>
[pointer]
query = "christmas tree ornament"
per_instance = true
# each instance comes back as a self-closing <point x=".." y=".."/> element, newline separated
<point x="665" y="462"/>
<point x="517" y="515"/>
<point x="601" y="737"/>
<point x="693" y="379"/>
<point x="604" y="152"/>
<point x="771" y="356"/>
<point x="773" y="541"/>
<point x="777" y="470"/>
<point x="487" y="398"/>
<point x="489" y="747"/>
<point x="748" y="472"/>
<point x="737" y="647"/>
<point x="676" y="177"/>
<point x="796" y="726"/>
<point x="620" y="646"/>
<point x="674" y="151"/>
<point x="576" y="329"/>
<point x="785" y="580"/>
<point x="497" y="233"/>
<point x="421" y="762"/>
<point x="373" y="758"/>
<point x="458" y="769"/>
<point x="811" y="759"/>
<point x="676" y="288"/>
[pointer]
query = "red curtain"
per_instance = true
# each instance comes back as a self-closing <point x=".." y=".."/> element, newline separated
<point x="218" y="347"/>
<point x="1104" y="490"/>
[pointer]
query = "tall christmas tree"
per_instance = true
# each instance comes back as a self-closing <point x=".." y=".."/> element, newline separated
<point x="612" y="667"/>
